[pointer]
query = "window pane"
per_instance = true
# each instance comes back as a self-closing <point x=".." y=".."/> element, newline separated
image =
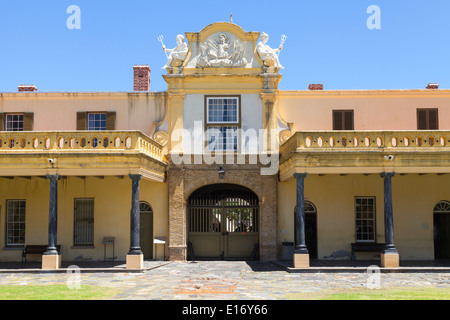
<point x="222" y="110"/>
<point x="14" y="122"/>
<point x="222" y="138"/>
<point x="365" y="219"/>
<point x="97" y="121"/>
<point x="15" y="222"/>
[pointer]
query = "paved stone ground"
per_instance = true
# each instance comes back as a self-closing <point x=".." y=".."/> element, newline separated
<point x="224" y="280"/>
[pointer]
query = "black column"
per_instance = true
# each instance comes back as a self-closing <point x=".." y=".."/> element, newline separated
<point x="53" y="215"/>
<point x="388" y="213"/>
<point x="300" y="246"/>
<point x="135" y="215"/>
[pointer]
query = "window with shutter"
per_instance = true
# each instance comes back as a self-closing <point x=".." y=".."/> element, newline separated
<point x="427" y="119"/>
<point x="343" y="120"/>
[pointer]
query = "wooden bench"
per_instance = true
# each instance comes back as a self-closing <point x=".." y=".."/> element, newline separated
<point x="366" y="247"/>
<point x="36" y="249"/>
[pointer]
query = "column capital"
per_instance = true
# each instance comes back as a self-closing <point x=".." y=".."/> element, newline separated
<point x="135" y="176"/>
<point x="300" y="175"/>
<point x="54" y="177"/>
<point x="387" y="174"/>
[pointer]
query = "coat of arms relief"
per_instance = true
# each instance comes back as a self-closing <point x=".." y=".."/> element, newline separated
<point x="221" y="52"/>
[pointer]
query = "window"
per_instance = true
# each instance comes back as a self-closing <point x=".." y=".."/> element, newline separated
<point x="222" y="123"/>
<point x="83" y="234"/>
<point x="15" y="222"/>
<point x="343" y="120"/>
<point x="97" y="121"/>
<point x="365" y="219"/>
<point x="427" y="119"/>
<point x="14" y="122"/>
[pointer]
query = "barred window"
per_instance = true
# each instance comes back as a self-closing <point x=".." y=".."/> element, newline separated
<point x="83" y="234"/>
<point x="365" y="219"/>
<point x="15" y="222"/>
<point x="222" y="123"/>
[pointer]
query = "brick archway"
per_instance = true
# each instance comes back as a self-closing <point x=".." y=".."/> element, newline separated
<point x="183" y="181"/>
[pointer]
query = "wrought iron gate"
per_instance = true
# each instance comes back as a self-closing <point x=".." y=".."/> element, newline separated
<point x="223" y="222"/>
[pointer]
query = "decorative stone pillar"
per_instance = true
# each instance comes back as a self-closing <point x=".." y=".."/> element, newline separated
<point x="51" y="259"/>
<point x="135" y="257"/>
<point x="301" y="254"/>
<point x="389" y="257"/>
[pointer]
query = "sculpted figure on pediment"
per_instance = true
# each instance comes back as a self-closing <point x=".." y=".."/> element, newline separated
<point x="222" y="53"/>
<point x="176" y="55"/>
<point x="267" y="54"/>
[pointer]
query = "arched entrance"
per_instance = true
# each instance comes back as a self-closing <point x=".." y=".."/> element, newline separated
<point x="146" y="230"/>
<point x="311" y="229"/>
<point x="441" y="218"/>
<point x="223" y="222"/>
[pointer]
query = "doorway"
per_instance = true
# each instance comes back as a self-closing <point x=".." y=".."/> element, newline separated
<point x="223" y="222"/>
<point x="441" y="222"/>
<point x="311" y="229"/>
<point x="146" y="230"/>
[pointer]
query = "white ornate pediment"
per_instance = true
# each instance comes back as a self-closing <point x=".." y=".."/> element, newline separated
<point x="222" y="50"/>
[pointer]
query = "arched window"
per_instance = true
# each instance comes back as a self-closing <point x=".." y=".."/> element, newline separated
<point x="442" y="207"/>
<point x="310" y="208"/>
<point x="144" y="207"/>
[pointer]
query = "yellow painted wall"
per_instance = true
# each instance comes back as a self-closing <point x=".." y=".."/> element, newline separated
<point x="414" y="198"/>
<point x="112" y="206"/>
<point x="373" y="109"/>
<point x="58" y="111"/>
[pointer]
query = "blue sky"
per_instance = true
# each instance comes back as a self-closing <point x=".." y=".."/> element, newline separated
<point x="327" y="41"/>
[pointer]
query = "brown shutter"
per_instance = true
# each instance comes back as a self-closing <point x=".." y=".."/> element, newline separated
<point x="28" y="121"/>
<point x="2" y="121"/>
<point x="81" y="120"/>
<point x="337" y="120"/>
<point x="422" y="119"/>
<point x="110" y="121"/>
<point x="433" y="119"/>
<point x="348" y="120"/>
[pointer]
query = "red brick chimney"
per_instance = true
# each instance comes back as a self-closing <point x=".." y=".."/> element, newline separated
<point x="432" y="86"/>
<point x="27" y="88"/>
<point x="141" y="78"/>
<point x="315" y="87"/>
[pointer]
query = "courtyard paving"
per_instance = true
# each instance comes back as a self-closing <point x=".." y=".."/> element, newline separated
<point x="223" y="280"/>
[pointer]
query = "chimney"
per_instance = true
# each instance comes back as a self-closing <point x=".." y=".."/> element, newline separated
<point x="141" y="78"/>
<point x="315" y="87"/>
<point x="27" y="88"/>
<point x="433" y="86"/>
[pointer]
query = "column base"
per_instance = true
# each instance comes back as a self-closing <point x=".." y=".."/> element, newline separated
<point x="135" y="261"/>
<point x="51" y="262"/>
<point x="301" y="260"/>
<point x="390" y="260"/>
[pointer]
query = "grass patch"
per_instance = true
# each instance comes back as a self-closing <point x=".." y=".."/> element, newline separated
<point x="376" y="294"/>
<point x="54" y="292"/>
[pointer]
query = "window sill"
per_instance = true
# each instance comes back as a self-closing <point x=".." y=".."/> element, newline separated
<point x="18" y="248"/>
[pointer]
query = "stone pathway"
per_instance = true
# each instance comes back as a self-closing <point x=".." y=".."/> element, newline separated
<point x="223" y="280"/>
